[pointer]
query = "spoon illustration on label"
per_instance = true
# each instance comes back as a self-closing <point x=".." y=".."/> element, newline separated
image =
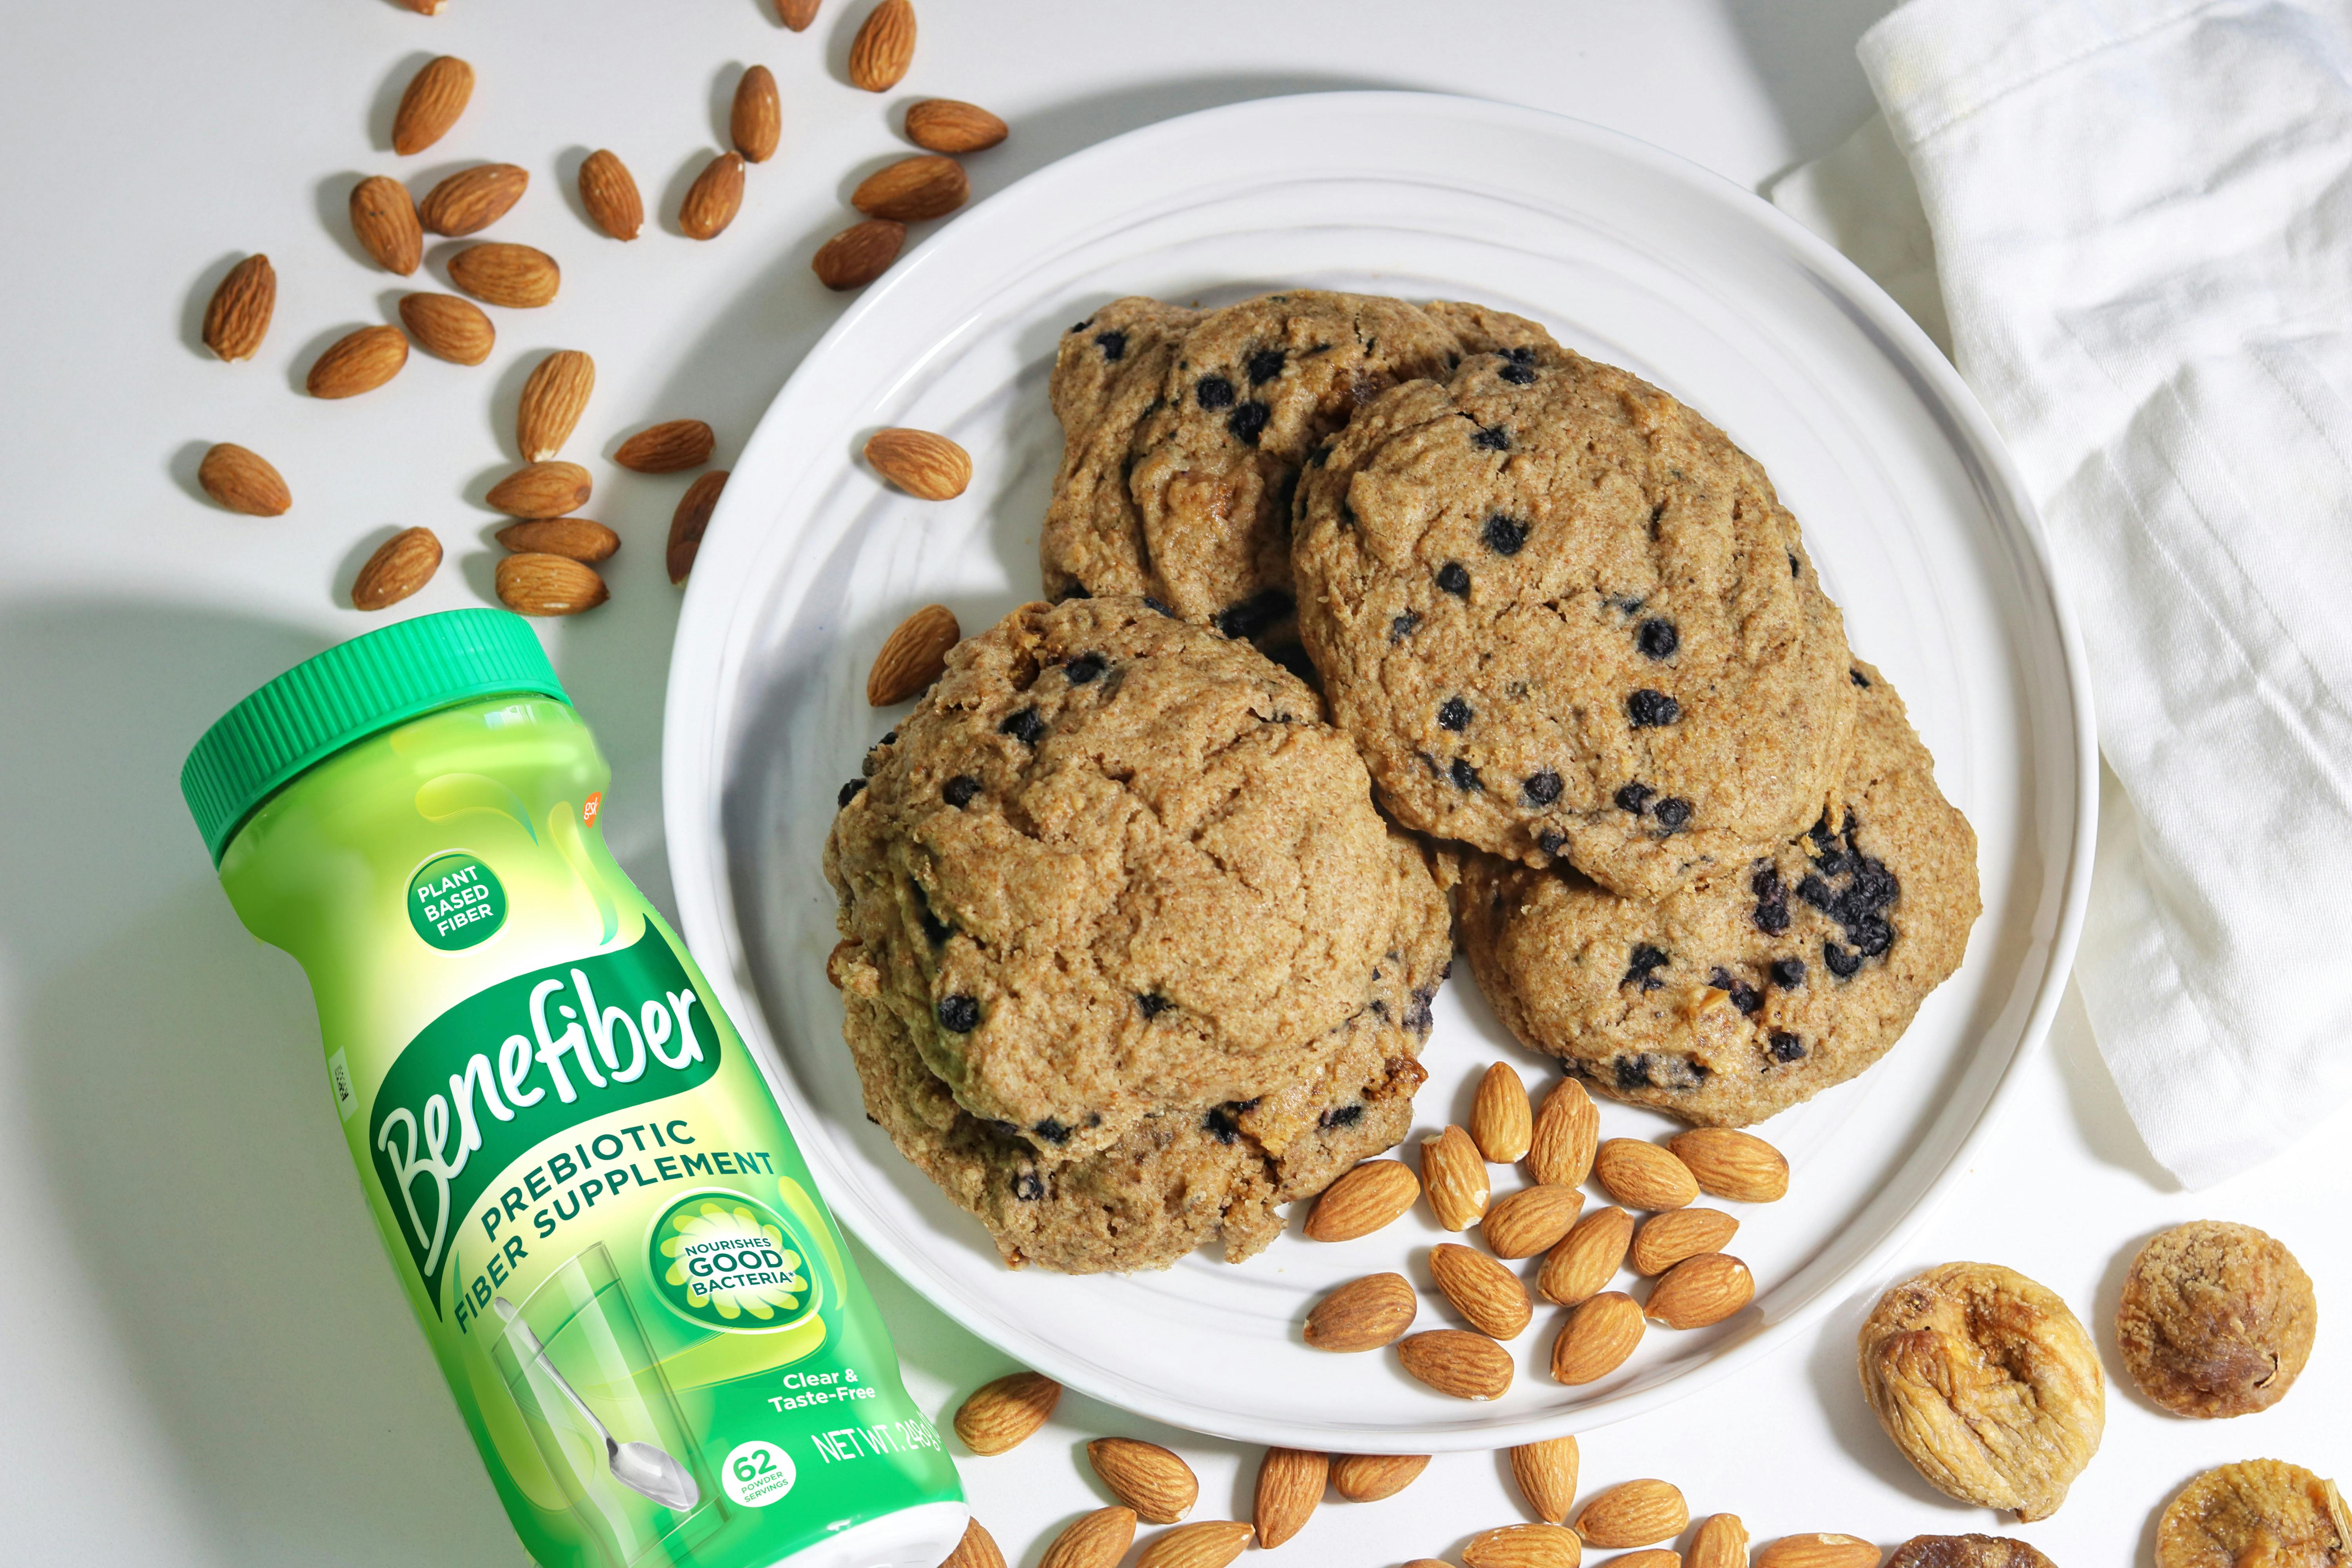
<point x="642" y="1467"/>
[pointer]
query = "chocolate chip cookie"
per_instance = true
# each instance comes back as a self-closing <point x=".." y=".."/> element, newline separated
<point x="2216" y="1319"/>
<point x="1783" y="974"/>
<point x="2259" y="1514"/>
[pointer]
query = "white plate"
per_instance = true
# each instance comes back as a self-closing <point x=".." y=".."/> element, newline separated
<point x="1919" y="525"/>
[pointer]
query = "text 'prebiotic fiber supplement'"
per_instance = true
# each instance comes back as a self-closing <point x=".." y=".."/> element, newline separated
<point x="647" y="1315"/>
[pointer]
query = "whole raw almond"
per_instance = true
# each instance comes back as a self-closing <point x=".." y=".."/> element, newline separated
<point x="1596" y="1340"/>
<point x="401" y="565"/>
<point x="1212" y="1543"/>
<point x="667" y="447"/>
<point x="241" y="480"/>
<point x="1545" y="1472"/>
<point x="575" y="538"/>
<point x="1457" y="1362"/>
<point x="1523" y="1546"/>
<point x="1648" y="1557"/>
<point x="913" y="656"/>
<point x="609" y="192"/>
<point x="920" y="463"/>
<point x="714" y="199"/>
<point x="1456" y="1177"/>
<point x="384" y="222"/>
<point x="515" y="276"/>
<point x="553" y="401"/>
<point x="541" y="489"/>
<point x="880" y="54"/>
<point x="1820" y="1552"/>
<point x="1368" y="1478"/>
<point x="1364" y="1314"/>
<point x="472" y="199"/>
<point x="1501" y="1123"/>
<point x="1001" y="1415"/>
<point x="1729" y="1163"/>
<point x="1097" y="1540"/>
<point x="431" y="103"/>
<point x="1360" y="1203"/>
<point x="756" y="122"/>
<point x="1720" y="1542"/>
<point x="1289" y="1485"/>
<point x="796" y="14"/>
<point x="858" y="253"/>
<point x="1152" y="1481"/>
<point x="1643" y="1176"/>
<point x="541" y="584"/>
<point x="689" y="521"/>
<point x="949" y="125"/>
<point x="978" y="1549"/>
<point x="912" y="189"/>
<point x="456" y="330"/>
<point x="424" y="8"/>
<point x="1532" y="1220"/>
<point x="237" y="317"/>
<point x="1567" y="1131"/>
<point x="1700" y="1290"/>
<point x="1481" y="1289"/>
<point x="1666" y="1239"/>
<point x="358" y="361"/>
<point x="1586" y="1258"/>
<point x="1633" y="1513"/>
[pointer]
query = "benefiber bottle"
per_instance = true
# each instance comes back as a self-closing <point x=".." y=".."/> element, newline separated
<point x="646" y="1316"/>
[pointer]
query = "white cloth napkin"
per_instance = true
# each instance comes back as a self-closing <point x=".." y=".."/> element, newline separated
<point x="2142" y="220"/>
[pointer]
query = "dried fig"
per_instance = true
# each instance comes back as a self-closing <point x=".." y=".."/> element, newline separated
<point x="1966" y="1551"/>
<point x="2260" y="1514"/>
<point x="2216" y="1319"/>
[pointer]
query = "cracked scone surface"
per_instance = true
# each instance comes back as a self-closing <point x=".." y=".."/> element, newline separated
<point x="1566" y="619"/>
<point x="1732" y="1000"/>
<point x="1113" y="863"/>
<point x="2259" y="1514"/>
<point x="2216" y="1319"/>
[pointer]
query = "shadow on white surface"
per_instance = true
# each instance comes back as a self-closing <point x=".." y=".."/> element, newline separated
<point x="2109" y="1133"/>
<point x="1786" y="45"/>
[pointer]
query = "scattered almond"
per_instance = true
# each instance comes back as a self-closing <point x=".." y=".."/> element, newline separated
<point x="401" y="565"/>
<point x="472" y="199"/>
<point x="858" y="253"/>
<point x="384" y="222"/>
<point x="243" y="481"/>
<point x="714" y="199"/>
<point x="1501" y="1123"/>
<point x="237" y="317"/>
<point x="1643" y="1176"/>
<point x="1720" y="1542"/>
<point x="880" y="54"/>
<point x="1481" y="1289"/>
<point x="1523" y="1546"/>
<point x="1596" y="1339"/>
<point x="912" y="189"/>
<point x="756" y="123"/>
<point x="358" y="361"/>
<point x="978" y="1549"/>
<point x="431" y="103"/>
<point x="1545" y="1472"/>
<point x="1289" y="1485"/>
<point x="424" y="8"/>
<point x="609" y="192"/>
<point x="1368" y="1478"/>
<point x="1097" y="1540"/>
<point x="796" y="14"/>
<point x="1565" y="1133"/>
<point x="1666" y="1239"/>
<point x="575" y="538"/>
<point x="1152" y="1481"/>
<point x="1212" y="1543"/>
<point x="553" y="401"/>
<point x="1456" y="1177"/>
<point x="443" y="324"/>
<point x="1532" y="1220"/>
<point x="1364" y="1314"/>
<point x="1361" y="1201"/>
<point x="515" y="276"/>
<point x="948" y="125"/>
<point x="1648" y="1557"/>
<point x="1586" y="1258"/>
<point x="1633" y="1513"/>
<point x="689" y="521"/>
<point x="913" y="656"/>
<point x="1701" y="1290"/>
<point x="1457" y="1362"/>
<point x="541" y="489"/>
<point x="1729" y="1163"/>
<point x="541" y="584"/>
<point x="667" y="447"/>
<point x="1001" y="1415"/>
<point x="1819" y="1552"/>
<point x="922" y="464"/>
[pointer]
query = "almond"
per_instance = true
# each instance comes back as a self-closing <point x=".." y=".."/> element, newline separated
<point x="401" y="565"/>
<point x="1364" y="1314"/>
<point x="796" y="14"/>
<point x="1596" y="1339"/>
<point x="431" y="103"/>
<point x="947" y="125"/>
<point x="424" y="8"/>
<point x="1501" y="1123"/>
<point x="553" y="401"/>
<point x="1213" y="1544"/>
<point x="472" y="199"/>
<point x="912" y="657"/>
<point x="667" y="447"/>
<point x="1456" y="1177"/>
<point x="574" y="538"/>
<point x="1633" y="1513"/>
<point x="922" y="464"/>
<point x="541" y="489"/>
<point x="978" y="1549"/>
<point x="1523" y="1546"/>
<point x="756" y="123"/>
<point x="880" y="54"/>
<point x="1819" y="1552"/>
<point x="1545" y="1472"/>
<point x="1152" y="1481"/>
<point x="714" y="199"/>
<point x="237" y="317"/>
<point x="1097" y="1540"/>
<point x="1666" y="1239"/>
<point x="1644" y="1175"/>
<point x="858" y="253"/>
<point x="1368" y="1478"/>
<point x="1586" y="1258"/>
<point x="1729" y="1163"/>
<point x="243" y="481"/>
<point x="1565" y="1133"/>
<point x="1361" y="1201"/>
<point x="539" y="584"/>
<point x="515" y="276"/>
<point x="1481" y="1289"/>
<point x="1001" y="1415"/>
<point x="384" y="222"/>
<point x="1720" y="1542"/>
<point x="689" y="521"/>
<point x="1648" y="1557"/>
<point x="609" y="192"/>
<point x="454" y="329"/>
<point x="1457" y="1362"/>
<point x="1532" y="1220"/>
<point x="358" y="361"/>
<point x="1700" y="1290"/>
<point x="1289" y="1484"/>
<point x="912" y="189"/>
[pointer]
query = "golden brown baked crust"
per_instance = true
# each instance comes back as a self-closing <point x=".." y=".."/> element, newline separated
<point x="2216" y="1319"/>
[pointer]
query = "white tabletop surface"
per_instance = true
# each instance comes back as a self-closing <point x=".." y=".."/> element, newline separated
<point x="202" y="1361"/>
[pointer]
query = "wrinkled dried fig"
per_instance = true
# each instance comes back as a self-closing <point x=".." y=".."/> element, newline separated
<point x="1966" y="1551"/>
<point x="2260" y="1514"/>
<point x="2216" y="1319"/>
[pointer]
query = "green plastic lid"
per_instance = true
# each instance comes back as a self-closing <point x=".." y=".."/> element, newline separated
<point x="348" y="693"/>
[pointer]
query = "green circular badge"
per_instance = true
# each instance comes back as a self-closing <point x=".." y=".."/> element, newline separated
<point x="728" y="1261"/>
<point x="455" y="901"/>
